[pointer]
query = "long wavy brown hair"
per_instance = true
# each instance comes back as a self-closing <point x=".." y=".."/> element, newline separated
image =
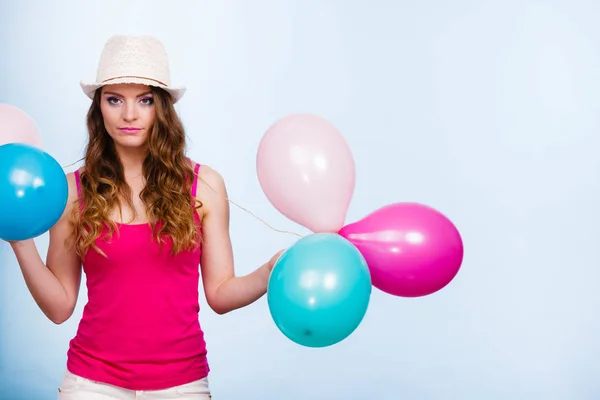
<point x="167" y="171"/>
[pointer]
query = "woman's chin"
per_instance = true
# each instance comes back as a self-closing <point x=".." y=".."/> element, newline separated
<point x="131" y="142"/>
<point x="131" y="146"/>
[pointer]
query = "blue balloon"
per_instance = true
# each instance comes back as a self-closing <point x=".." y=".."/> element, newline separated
<point x="33" y="191"/>
<point x="319" y="290"/>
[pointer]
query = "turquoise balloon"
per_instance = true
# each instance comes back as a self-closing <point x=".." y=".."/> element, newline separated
<point x="319" y="290"/>
<point x="33" y="191"/>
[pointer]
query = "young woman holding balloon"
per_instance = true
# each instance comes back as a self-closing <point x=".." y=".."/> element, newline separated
<point x="141" y="218"/>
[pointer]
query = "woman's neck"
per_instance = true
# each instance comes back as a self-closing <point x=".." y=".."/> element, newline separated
<point x="132" y="160"/>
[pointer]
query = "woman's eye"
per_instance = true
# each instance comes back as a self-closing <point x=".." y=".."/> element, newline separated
<point x="147" y="101"/>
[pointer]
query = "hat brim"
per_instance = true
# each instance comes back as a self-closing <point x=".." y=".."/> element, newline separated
<point x="176" y="92"/>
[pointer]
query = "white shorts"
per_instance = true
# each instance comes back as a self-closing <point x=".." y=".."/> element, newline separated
<point x="74" y="387"/>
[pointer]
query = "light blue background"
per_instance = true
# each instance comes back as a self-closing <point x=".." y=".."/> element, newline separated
<point x="488" y="111"/>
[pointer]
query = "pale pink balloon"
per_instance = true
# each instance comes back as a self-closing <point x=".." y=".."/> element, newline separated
<point x="306" y="170"/>
<point x="17" y="127"/>
<point x="411" y="249"/>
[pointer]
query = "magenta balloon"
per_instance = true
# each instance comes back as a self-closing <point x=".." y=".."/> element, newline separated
<point x="411" y="249"/>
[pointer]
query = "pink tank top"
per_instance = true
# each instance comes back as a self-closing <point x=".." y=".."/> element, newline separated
<point x="140" y="328"/>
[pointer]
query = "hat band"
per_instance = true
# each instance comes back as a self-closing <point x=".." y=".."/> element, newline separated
<point x="135" y="77"/>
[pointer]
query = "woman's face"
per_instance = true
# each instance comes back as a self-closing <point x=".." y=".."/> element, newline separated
<point x="129" y="113"/>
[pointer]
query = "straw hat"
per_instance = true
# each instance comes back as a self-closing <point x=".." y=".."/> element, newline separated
<point x="134" y="59"/>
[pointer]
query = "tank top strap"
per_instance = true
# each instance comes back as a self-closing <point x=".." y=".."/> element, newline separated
<point x="195" y="184"/>
<point x="78" y="182"/>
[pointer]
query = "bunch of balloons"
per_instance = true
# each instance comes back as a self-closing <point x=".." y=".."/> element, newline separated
<point x="320" y="287"/>
<point x="33" y="186"/>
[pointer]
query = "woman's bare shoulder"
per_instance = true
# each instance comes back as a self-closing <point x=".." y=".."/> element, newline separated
<point x="211" y="190"/>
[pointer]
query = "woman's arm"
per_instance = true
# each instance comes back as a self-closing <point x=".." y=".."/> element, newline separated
<point x="54" y="286"/>
<point x="224" y="291"/>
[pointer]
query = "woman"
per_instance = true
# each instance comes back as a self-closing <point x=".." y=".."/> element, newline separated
<point x="140" y="218"/>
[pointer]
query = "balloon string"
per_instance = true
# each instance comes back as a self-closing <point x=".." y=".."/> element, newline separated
<point x="250" y="212"/>
<point x="232" y="202"/>
<point x="70" y="165"/>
